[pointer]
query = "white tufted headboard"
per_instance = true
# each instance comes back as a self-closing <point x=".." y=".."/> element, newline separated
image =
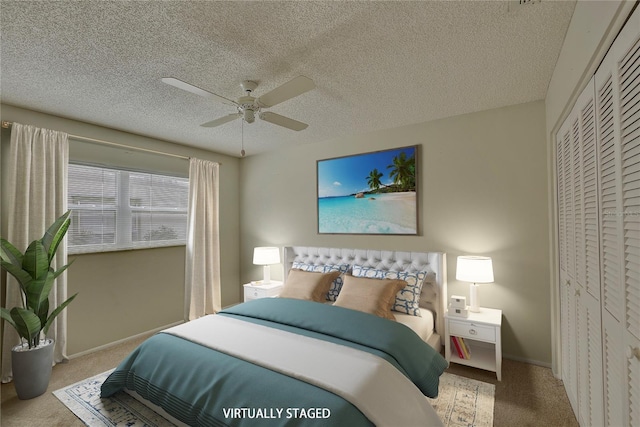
<point x="434" y="291"/>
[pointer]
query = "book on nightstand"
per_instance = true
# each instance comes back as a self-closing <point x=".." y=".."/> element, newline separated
<point x="457" y="346"/>
<point x="461" y="348"/>
<point x="465" y="348"/>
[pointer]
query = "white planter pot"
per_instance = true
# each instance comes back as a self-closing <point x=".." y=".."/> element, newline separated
<point x="32" y="369"/>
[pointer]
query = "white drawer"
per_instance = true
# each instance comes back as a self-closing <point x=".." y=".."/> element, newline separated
<point x="255" y="292"/>
<point x="472" y="330"/>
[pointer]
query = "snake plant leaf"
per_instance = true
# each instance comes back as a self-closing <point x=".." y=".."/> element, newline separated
<point x="6" y="315"/>
<point x="43" y="311"/>
<point x="55" y="313"/>
<point x="55" y="233"/>
<point x="38" y="291"/>
<point x="9" y="253"/>
<point x="11" y="260"/>
<point x="27" y="323"/>
<point x="36" y="260"/>
<point x="61" y="270"/>
<point x="21" y="276"/>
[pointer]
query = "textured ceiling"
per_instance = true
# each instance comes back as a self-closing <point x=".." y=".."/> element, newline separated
<point x="376" y="65"/>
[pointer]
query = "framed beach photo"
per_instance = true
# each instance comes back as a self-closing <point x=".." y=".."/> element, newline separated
<point x="369" y="193"/>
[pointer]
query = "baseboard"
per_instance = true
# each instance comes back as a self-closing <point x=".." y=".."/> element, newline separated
<point x="525" y="360"/>
<point x="111" y="344"/>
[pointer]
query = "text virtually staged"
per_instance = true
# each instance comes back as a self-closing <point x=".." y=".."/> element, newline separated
<point x="276" y="413"/>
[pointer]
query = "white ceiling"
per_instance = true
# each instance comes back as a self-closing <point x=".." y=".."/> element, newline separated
<point x="376" y="65"/>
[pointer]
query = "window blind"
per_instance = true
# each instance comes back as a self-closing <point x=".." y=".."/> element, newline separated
<point x="116" y="209"/>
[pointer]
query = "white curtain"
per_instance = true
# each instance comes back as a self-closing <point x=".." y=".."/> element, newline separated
<point x="202" y="267"/>
<point x="36" y="183"/>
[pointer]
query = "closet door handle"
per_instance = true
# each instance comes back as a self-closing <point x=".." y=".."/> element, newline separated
<point x="633" y="352"/>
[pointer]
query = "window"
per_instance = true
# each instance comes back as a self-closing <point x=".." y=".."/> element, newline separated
<point x="118" y="209"/>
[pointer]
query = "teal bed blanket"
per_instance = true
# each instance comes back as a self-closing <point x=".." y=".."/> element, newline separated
<point x="203" y="387"/>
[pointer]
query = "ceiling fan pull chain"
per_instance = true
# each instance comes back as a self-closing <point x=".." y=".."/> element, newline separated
<point x="242" y="137"/>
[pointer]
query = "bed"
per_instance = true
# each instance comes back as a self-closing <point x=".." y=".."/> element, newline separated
<point x="295" y="362"/>
<point x="433" y="294"/>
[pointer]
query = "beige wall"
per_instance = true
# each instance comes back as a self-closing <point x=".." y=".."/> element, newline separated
<point x="483" y="183"/>
<point x="122" y="294"/>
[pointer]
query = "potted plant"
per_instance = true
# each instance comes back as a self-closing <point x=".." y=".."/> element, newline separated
<point x="33" y="359"/>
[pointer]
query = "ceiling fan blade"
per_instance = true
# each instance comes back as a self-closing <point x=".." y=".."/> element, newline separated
<point x="283" y="121"/>
<point x="194" y="89"/>
<point x="291" y="89"/>
<point x="222" y="120"/>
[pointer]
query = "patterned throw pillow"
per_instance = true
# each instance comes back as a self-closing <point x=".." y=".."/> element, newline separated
<point x="407" y="299"/>
<point x="326" y="268"/>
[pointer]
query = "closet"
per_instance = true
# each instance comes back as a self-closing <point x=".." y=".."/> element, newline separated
<point x="598" y="211"/>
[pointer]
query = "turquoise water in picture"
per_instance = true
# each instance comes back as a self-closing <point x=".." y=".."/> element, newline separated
<point x="386" y="183"/>
<point x="391" y="213"/>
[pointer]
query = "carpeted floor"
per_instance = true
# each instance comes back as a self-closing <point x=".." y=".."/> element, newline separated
<point x="528" y="395"/>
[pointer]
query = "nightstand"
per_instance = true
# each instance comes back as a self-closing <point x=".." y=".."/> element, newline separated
<point x="255" y="291"/>
<point x="481" y="334"/>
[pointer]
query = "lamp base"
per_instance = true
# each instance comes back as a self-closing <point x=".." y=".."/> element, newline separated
<point x="473" y="298"/>
<point x="266" y="275"/>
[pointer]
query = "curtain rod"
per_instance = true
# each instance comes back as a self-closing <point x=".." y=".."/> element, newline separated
<point x="6" y="125"/>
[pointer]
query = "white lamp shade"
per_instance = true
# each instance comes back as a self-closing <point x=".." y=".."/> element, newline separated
<point x="266" y="255"/>
<point x="474" y="269"/>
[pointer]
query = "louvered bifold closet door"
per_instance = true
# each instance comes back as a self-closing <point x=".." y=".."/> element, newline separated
<point x="618" y="131"/>
<point x="593" y="410"/>
<point x="587" y="277"/>
<point x="610" y="232"/>
<point x="591" y="257"/>
<point x="566" y="232"/>
<point x="578" y="230"/>
<point x="562" y="138"/>
<point x="629" y="72"/>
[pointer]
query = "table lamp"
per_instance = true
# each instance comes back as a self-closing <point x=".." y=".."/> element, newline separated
<point x="474" y="269"/>
<point x="266" y="256"/>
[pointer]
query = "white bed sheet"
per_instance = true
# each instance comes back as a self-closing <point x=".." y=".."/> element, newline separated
<point x="423" y="326"/>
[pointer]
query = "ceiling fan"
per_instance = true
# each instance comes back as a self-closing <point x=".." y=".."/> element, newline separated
<point x="248" y="106"/>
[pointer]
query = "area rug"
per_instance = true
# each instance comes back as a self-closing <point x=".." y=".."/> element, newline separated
<point x="464" y="402"/>
<point x="461" y="402"/>
<point x="83" y="399"/>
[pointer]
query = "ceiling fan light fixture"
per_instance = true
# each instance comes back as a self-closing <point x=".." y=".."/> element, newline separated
<point x="249" y="115"/>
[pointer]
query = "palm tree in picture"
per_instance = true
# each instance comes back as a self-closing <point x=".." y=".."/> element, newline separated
<point x="374" y="179"/>
<point x="403" y="171"/>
